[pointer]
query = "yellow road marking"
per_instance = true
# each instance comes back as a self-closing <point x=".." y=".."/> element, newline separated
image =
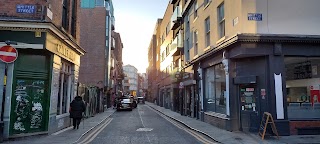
<point x="96" y="130"/>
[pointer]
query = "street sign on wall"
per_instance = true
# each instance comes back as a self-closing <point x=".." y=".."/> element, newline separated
<point x="255" y="16"/>
<point x="27" y="9"/>
<point x="8" y="54"/>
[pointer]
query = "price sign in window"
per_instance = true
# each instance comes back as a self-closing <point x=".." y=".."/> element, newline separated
<point x="248" y="99"/>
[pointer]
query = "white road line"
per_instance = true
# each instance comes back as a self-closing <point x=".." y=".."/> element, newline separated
<point x="8" y="53"/>
<point x="143" y="124"/>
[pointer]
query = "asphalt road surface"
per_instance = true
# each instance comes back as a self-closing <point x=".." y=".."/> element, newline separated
<point x="140" y="126"/>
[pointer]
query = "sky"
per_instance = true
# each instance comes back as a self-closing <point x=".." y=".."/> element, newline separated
<point x="135" y="20"/>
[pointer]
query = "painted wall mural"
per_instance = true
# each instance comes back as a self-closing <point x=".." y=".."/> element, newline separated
<point x="29" y="106"/>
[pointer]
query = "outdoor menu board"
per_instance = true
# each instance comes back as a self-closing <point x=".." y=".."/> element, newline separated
<point x="267" y="119"/>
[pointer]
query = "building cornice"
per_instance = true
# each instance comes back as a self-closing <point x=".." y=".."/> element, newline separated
<point x="42" y="27"/>
<point x="187" y="7"/>
<point x="247" y="37"/>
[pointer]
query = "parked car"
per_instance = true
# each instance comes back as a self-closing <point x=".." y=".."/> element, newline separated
<point x="141" y="100"/>
<point x="125" y="102"/>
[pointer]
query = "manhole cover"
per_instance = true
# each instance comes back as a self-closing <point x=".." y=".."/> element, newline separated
<point x="144" y="129"/>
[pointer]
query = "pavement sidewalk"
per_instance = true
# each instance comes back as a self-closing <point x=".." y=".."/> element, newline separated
<point x="228" y="137"/>
<point x="67" y="135"/>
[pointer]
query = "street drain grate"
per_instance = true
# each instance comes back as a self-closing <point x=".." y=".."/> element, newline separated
<point x="144" y="129"/>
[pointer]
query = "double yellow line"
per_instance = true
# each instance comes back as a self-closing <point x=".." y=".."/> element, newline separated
<point x="94" y="133"/>
<point x="191" y="132"/>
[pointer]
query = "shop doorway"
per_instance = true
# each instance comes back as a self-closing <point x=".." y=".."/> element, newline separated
<point x="248" y="104"/>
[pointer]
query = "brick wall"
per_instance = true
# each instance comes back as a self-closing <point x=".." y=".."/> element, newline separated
<point x="302" y="124"/>
<point x="93" y="40"/>
<point x="8" y="11"/>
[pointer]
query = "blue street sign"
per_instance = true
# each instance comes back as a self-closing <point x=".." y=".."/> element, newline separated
<point x="28" y="9"/>
<point x="255" y="16"/>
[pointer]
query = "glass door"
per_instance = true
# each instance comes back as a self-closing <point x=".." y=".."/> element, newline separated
<point x="248" y="107"/>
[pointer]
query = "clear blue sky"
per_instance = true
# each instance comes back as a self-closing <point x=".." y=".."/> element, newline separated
<point x="135" y="21"/>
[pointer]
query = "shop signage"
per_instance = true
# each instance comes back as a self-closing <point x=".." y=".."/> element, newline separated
<point x="65" y="51"/>
<point x="302" y="70"/>
<point x="187" y="76"/>
<point x="181" y="85"/>
<point x="249" y="89"/>
<point x="27" y="9"/>
<point x="266" y="120"/>
<point x="8" y="54"/>
<point x="263" y="92"/>
<point x="255" y="16"/>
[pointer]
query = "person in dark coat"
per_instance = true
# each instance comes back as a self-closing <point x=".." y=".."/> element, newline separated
<point x="77" y="107"/>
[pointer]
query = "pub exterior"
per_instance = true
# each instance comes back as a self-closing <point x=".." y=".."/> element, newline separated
<point x="266" y="73"/>
<point x="42" y="82"/>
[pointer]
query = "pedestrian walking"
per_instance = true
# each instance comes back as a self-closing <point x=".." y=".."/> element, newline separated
<point x="77" y="107"/>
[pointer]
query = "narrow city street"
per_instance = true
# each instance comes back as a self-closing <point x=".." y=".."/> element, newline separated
<point x="141" y="126"/>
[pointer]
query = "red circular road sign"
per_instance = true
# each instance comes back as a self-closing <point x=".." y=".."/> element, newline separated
<point x="8" y="54"/>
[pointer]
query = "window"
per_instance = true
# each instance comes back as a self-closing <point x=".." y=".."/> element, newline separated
<point x="195" y="14"/>
<point x="64" y="88"/>
<point x="207" y="29"/>
<point x="206" y="2"/>
<point x="163" y="55"/>
<point x="73" y="18"/>
<point x="187" y="48"/>
<point x="87" y="4"/>
<point x="162" y="38"/>
<point x="100" y="3"/>
<point x="302" y="87"/>
<point x="177" y="63"/>
<point x="195" y="42"/>
<point x="65" y="14"/>
<point x="167" y="50"/>
<point x="107" y="26"/>
<point x="168" y="29"/>
<point x="221" y="20"/>
<point x="215" y="88"/>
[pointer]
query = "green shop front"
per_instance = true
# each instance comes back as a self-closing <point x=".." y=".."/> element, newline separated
<point x="41" y="83"/>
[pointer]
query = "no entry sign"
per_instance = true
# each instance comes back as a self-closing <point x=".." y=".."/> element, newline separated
<point x="8" y="54"/>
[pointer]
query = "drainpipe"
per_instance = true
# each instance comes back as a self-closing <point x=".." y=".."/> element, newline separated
<point x="225" y="63"/>
<point x="200" y="92"/>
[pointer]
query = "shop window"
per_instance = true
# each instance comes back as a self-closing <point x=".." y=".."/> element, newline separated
<point x="302" y="87"/>
<point x="64" y="88"/>
<point x="215" y="89"/>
